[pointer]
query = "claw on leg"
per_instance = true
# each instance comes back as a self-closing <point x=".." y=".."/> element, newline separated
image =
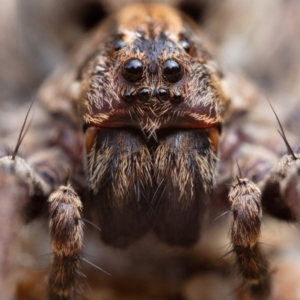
<point x="245" y="198"/>
<point x="66" y="229"/>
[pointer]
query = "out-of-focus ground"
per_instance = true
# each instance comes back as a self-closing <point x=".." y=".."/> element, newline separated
<point x="262" y="39"/>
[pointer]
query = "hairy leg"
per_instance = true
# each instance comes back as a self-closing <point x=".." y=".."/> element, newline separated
<point x="24" y="191"/>
<point x="66" y="228"/>
<point x="13" y="198"/>
<point x="245" y="198"/>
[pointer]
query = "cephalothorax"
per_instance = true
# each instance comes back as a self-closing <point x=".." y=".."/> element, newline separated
<point x="150" y="100"/>
<point x="137" y="113"/>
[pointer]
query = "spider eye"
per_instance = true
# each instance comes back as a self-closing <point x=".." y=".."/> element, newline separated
<point x="119" y="42"/>
<point x="144" y="94"/>
<point x="177" y="97"/>
<point x="163" y="94"/>
<point x="133" y="70"/>
<point x="172" y="71"/>
<point x="129" y="97"/>
<point x="185" y="45"/>
<point x="119" y="45"/>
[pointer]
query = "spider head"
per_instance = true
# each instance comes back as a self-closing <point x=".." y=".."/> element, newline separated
<point x="153" y="72"/>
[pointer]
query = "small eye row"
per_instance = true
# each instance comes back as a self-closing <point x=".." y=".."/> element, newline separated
<point x="144" y="94"/>
<point x="133" y="70"/>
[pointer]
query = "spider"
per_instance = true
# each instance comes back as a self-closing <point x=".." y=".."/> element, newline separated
<point x="140" y="131"/>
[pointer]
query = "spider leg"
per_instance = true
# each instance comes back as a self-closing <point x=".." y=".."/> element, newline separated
<point x="278" y="179"/>
<point x="245" y="198"/>
<point x="21" y="199"/>
<point x="24" y="188"/>
<point x="281" y="189"/>
<point x="66" y="228"/>
<point x="13" y="198"/>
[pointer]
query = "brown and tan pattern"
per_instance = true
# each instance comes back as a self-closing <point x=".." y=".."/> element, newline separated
<point x="153" y="124"/>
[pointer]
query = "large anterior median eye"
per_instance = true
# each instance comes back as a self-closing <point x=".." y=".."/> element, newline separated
<point x="172" y="71"/>
<point x="133" y="70"/>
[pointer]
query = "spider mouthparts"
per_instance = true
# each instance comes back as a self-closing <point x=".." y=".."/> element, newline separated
<point x="214" y="136"/>
<point x="90" y="135"/>
<point x="212" y="130"/>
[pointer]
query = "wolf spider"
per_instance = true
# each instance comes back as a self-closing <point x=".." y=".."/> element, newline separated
<point x="134" y="129"/>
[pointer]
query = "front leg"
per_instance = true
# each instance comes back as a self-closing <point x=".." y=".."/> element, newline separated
<point x="66" y="228"/>
<point x="14" y="197"/>
<point x="24" y="189"/>
<point x="23" y="194"/>
<point x="245" y="198"/>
